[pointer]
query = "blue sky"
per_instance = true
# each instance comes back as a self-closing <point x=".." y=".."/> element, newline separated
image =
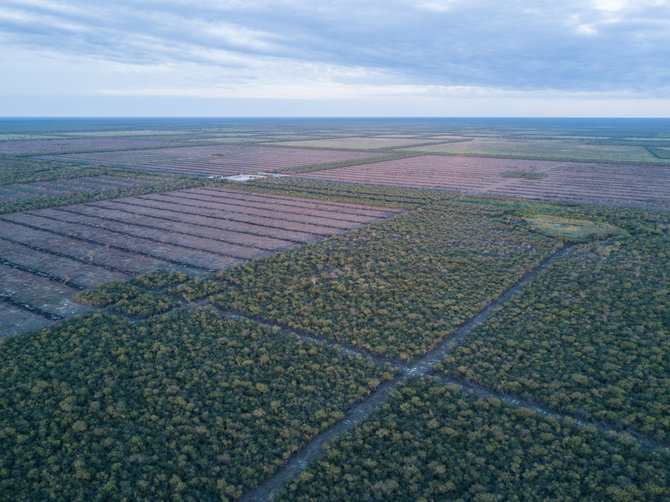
<point x="346" y="58"/>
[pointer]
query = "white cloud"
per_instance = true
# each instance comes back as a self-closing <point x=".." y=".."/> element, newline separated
<point x="619" y="5"/>
<point x="344" y="49"/>
<point x="438" y="5"/>
<point x="611" y="5"/>
<point x="587" y="29"/>
<point x="306" y="90"/>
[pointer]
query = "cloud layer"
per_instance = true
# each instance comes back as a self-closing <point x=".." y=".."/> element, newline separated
<point x="294" y="49"/>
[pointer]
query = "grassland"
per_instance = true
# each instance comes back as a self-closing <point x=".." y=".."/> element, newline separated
<point x="571" y="228"/>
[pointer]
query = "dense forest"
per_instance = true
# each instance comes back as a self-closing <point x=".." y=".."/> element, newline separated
<point x="589" y="336"/>
<point x="434" y="442"/>
<point x="192" y="406"/>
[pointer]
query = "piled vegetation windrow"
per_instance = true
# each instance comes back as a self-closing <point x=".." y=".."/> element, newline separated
<point x="357" y="162"/>
<point x="589" y="336"/>
<point x="192" y="406"/>
<point x="524" y="174"/>
<point x="132" y="298"/>
<point x="407" y="198"/>
<point x="215" y="159"/>
<point x="26" y="170"/>
<point x="395" y="287"/>
<point x="434" y="442"/>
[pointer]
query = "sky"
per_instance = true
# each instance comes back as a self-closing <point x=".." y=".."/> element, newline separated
<point x="451" y="58"/>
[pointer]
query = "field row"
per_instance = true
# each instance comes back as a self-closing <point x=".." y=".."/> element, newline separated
<point x="194" y="231"/>
<point x="616" y="184"/>
<point x="65" y="186"/>
<point x="45" y="146"/>
<point x="378" y="195"/>
<point x="214" y="160"/>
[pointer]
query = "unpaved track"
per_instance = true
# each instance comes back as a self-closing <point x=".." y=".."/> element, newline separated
<point x="422" y="366"/>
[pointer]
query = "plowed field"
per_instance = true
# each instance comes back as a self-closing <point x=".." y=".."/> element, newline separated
<point x="18" y="191"/>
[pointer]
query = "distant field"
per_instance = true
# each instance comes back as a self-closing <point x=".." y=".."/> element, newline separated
<point x="615" y="184"/>
<point x="355" y="143"/>
<point x="214" y="160"/>
<point x="28" y="183"/>
<point x="546" y="150"/>
<point x="66" y="186"/>
<point x="199" y="230"/>
<point x="40" y="146"/>
<point x="660" y="152"/>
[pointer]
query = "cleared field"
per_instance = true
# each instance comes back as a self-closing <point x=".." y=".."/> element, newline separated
<point x="47" y="255"/>
<point x="645" y="186"/>
<point x="214" y="160"/>
<point x="573" y="150"/>
<point x="38" y="146"/>
<point x="11" y="316"/>
<point x="20" y="191"/>
<point x="355" y="143"/>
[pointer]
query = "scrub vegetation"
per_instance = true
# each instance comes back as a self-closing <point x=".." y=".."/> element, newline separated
<point x="233" y="328"/>
<point x="434" y="442"/>
<point x="589" y="337"/>
<point x="27" y="183"/>
<point x="193" y="406"/>
<point x="396" y="287"/>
